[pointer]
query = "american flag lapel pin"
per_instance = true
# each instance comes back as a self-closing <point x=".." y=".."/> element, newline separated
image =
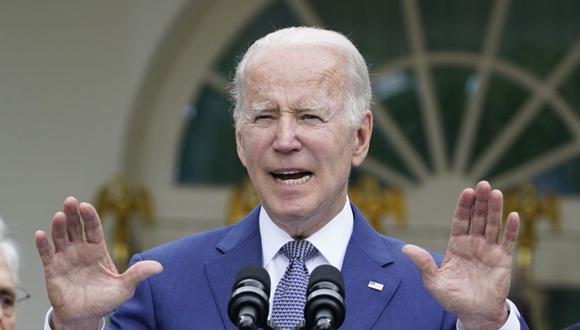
<point x="376" y="286"/>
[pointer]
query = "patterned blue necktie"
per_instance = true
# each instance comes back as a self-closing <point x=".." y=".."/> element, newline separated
<point x="290" y="296"/>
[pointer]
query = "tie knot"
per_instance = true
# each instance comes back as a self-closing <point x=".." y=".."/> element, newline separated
<point x="303" y="250"/>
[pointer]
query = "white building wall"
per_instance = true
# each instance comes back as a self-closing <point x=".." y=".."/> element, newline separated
<point x="69" y="71"/>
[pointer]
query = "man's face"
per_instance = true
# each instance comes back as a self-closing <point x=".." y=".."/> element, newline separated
<point x="7" y="296"/>
<point x="295" y="138"/>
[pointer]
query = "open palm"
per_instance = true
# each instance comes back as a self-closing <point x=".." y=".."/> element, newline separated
<point x="474" y="279"/>
<point x="82" y="282"/>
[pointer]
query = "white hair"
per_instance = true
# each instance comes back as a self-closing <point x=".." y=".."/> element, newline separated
<point x="358" y="93"/>
<point x="9" y="250"/>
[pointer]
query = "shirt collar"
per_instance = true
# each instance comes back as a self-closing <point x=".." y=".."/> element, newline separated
<point x="331" y="240"/>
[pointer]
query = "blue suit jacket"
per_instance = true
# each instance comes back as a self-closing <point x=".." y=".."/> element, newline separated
<point x="194" y="289"/>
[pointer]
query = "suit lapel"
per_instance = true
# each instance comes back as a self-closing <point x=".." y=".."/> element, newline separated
<point x="367" y="259"/>
<point x="240" y="247"/>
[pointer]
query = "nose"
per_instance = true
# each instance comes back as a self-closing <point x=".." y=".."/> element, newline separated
<point x="286" y="138"/>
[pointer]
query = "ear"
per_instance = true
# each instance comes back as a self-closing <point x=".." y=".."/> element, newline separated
<point x="240" y="147"/>
<point x="363" y="139"/>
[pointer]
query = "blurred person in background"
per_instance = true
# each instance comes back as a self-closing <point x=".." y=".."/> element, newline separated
<point x="10" y="294"/>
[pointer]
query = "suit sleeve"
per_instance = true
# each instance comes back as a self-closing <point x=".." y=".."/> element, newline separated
<point x="139" y="311"/>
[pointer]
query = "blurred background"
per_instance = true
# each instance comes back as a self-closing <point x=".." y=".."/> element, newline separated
<point x="125" y="104"/>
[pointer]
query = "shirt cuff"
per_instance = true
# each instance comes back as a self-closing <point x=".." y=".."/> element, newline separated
<point x="512" y="322"/>
<point x="48" y="316"/>
<point x="47" y="320"/>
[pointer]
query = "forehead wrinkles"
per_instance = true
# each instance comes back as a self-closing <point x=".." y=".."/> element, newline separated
<point x="332" y="80"/>
<point x="316" y="70"/>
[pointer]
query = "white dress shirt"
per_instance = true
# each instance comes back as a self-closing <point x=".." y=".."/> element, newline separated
<point x="331" y="241"/>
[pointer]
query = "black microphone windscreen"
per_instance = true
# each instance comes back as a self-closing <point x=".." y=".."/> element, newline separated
<point x="256" y="273"/>
<point x="326" y="273"/>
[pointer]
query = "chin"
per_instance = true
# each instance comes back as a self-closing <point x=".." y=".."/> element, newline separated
<point x="291" y="211"/>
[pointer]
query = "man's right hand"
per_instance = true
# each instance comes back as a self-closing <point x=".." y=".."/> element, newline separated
<point x="82" y="282"/>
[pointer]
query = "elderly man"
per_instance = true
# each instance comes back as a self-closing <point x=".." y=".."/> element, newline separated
<point x="302" y="122"/>
<point x="8" y="290"/>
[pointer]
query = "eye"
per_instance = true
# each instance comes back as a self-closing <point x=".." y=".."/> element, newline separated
<point x="311" y="118"/>
<point x="263" y="118"/>
<point x="7" y="300"/>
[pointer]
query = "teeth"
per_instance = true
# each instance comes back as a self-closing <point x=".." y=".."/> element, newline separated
<point x="294" y="181"/>
<point x="288" y="173"/>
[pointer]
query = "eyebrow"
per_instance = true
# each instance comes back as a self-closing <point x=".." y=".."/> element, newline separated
<point x="261" y="106"/>
<point x="309" y="105"/>
<point x="300" y="106"/>
<point x="8" y="291"/>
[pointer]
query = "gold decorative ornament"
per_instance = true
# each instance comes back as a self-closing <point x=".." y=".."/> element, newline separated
<point x="532" y="209"/>
<point x="124" y="202"/>
<point x="376" y="203"/>
<point x="243" y="199"/>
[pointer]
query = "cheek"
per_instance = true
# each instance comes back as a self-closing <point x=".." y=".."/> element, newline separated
<point x="344" y="155"/>
<point x="9" y="323"/>
<point x="344" y="143"/>
<point x="336" y="156"/>
<point x="254" y="144"/>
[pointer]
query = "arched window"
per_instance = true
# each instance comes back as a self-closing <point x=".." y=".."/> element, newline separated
<point x="478" y="89"/>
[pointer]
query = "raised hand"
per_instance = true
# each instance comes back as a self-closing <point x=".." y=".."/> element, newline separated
<point x="82" y="282"/>
<point x="474" y="278"/>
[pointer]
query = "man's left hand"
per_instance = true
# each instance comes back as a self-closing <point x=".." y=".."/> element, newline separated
<point x="474" y="279"/>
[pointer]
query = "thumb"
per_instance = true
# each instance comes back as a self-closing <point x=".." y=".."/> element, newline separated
<point x="421" y="258"/>
<point x="140" y="271"/>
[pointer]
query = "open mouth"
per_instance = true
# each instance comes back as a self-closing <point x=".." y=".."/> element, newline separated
<point x="292" y="177"/>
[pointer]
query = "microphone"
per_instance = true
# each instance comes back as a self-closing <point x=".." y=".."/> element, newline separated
<point x="325" y="299"/>
<point x="249" y="305"/>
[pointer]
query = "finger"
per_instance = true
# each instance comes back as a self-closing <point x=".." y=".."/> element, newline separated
<point x="140" y="271"/>
<point x="422" y="259"/>
<point x="58" y="232"/>
<point x="494" y="214"/>
<point x="479" y="217"/>
<point x="73" y="221"/>
<point x="462" y="214"/>
<point x="93" y="227"/>
<point x="43" y="247"/>
<point x="510" y="234"/>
